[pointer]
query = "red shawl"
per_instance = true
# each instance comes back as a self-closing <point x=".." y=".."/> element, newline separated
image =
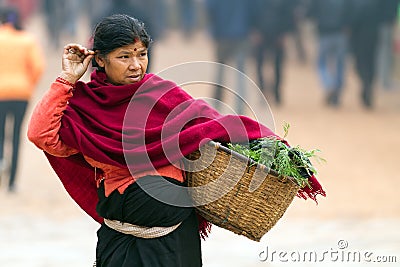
<point x="144" y="125"/>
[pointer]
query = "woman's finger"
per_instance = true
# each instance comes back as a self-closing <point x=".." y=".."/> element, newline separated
<point x="75" y="49"/>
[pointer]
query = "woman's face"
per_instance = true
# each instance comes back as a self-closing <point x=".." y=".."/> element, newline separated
<point x="125" y="65"/>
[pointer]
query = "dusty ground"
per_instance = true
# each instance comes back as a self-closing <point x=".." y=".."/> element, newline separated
<point x="41" y="226"/>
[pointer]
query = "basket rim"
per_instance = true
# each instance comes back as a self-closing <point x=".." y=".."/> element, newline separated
<point x="248" y="160"/>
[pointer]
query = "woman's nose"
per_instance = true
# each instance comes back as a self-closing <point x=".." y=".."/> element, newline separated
<point x="135" y="65"/>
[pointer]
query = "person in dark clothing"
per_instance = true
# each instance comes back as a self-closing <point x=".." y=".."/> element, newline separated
<point x="332" y="22"/>
<point x="187" y="16"/>
<point x="55" y="16"/>
<point x="21" y="68"/>
<point x="272" y="20"/>
<point x="365" y="24"/>
<point x="229" y="26"/>
<point x="385" y="48"/>
<point x="299" y="10"/>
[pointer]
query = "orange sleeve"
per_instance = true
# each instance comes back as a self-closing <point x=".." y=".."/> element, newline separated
<point x="45" y="121"/>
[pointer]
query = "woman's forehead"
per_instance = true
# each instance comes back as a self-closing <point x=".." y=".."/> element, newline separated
<point x="135" y="46"/>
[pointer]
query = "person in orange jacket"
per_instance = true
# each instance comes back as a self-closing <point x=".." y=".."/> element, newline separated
<point x="21" y="67"/>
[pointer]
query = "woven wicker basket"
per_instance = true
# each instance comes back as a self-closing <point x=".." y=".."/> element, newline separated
<point x="235" y="193"/>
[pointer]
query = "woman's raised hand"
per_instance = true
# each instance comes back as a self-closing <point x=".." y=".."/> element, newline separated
<point x="75" y="61"/>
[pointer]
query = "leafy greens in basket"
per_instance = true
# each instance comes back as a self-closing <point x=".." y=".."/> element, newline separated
<point x="275" y="154"/>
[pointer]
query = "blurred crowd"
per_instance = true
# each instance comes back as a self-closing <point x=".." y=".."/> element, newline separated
<point x="257" y="30"/>
<point x="254" y="31"/>
<point x="363" y="29"/>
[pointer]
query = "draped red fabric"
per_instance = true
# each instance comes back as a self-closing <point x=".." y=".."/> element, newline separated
<point x="144" y="125"/>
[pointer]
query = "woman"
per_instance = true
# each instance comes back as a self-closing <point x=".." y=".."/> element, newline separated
<point x="117" y="142"/>
<point x="21" y="67"/>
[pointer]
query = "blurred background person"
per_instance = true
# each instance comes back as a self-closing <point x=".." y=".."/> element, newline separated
<point x="229" y="23"/>
<point x="21" y="67"/>
<point x="299" y="10"/>
<point x="56" y="20"/>
<point x="332" y="23"/>
<point x="73" y="11"/>
<point x="386" y="40"/>
<point x="366" y="18"/>
<point x="97" y="9"/>
<point x="62" y="19"/>
<point x="187" y="16"/>
<point x="26" y="8"/>
<point x="153" y="14"/>
<point x="272" y="22"/>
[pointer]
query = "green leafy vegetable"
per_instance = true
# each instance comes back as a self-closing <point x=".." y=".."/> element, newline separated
<point x="275" y="154"/>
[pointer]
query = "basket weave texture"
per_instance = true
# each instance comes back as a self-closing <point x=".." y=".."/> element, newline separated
<point x="235" y="193"/>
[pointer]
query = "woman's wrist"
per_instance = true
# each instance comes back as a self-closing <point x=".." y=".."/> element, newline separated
<point x="63" y="81"/>
<point x="67" y="78"/>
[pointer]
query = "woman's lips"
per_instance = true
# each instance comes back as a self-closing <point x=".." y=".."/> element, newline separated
<point x="135" y="77"/>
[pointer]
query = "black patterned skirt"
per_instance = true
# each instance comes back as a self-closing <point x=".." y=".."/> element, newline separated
<point x="182" y="247"/>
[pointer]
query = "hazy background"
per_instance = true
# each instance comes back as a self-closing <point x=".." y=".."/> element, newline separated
<point x="41" y="226"/>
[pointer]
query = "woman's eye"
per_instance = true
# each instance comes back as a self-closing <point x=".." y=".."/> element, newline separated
<point x="143" y="54"/>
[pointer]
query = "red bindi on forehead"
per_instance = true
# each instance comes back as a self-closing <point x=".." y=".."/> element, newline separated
<point x="135" y="41"/>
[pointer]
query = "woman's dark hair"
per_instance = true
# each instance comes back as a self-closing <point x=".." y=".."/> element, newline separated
<point x="10" y="15"/>
<point x="116" y="31"/>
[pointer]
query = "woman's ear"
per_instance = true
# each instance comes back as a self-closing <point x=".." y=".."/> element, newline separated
<point x="99" y="60"/>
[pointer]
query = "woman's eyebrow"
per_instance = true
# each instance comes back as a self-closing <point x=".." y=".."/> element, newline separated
<point x="125" y="52"/>
<point x="135" y="50"/>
